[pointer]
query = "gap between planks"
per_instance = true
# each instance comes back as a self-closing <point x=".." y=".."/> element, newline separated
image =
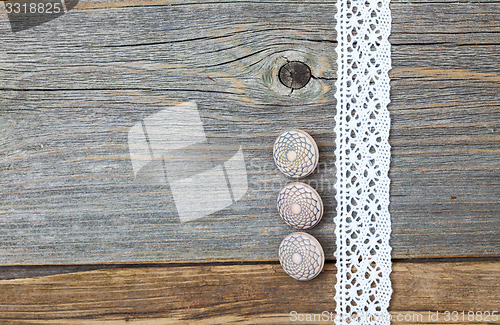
<point x="12" y="272"/>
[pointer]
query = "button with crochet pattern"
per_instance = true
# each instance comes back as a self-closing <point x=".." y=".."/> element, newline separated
<point x="300" y="206"/>
<point x="295" y="153"/>
<point x="301" y="256"/>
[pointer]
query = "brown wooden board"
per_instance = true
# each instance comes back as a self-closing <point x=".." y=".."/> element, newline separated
<point x="241" y="294"/>
<point x="71" y="89"/>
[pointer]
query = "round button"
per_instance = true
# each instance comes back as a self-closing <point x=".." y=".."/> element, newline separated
<point x="300" y="206"/>
<point x="295" y="153"/>
<point x="301" y="256"/>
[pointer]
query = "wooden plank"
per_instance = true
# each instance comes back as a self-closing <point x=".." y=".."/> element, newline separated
<point x="72" y="88"/>
<point x="248" y="294"/>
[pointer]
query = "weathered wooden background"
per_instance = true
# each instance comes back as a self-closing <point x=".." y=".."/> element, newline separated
<point x="71" y="89"/>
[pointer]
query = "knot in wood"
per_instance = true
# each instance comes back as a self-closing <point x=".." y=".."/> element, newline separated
<point x="295" y="74"/>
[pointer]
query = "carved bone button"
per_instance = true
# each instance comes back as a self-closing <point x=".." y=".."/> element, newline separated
<point x="301" y="256"/>
<point x="295" y="153"/>
<point x="300" y="206"/>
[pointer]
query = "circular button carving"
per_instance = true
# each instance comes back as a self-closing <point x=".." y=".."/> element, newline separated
<point x="295" y="153"/>
<point x="300" y="206"/>
<point x="301" y="256"/>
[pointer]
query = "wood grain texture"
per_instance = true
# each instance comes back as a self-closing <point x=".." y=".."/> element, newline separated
<point x="72" y="88"/>
<point x="243" y="294"/>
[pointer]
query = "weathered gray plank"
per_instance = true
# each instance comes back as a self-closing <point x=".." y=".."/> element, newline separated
<point x="72" y="88"/>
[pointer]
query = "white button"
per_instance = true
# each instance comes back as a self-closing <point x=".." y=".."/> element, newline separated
<point x="301" y="256"/>
<point x="300" y="206"/>
<point x="296" y="153"/>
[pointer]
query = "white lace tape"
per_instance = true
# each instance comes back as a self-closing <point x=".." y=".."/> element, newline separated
<point x="363" y="224"/>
